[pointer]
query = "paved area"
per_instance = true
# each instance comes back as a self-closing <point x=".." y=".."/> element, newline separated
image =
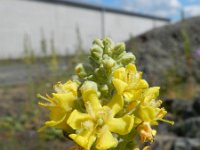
<point x="19" y="73"/>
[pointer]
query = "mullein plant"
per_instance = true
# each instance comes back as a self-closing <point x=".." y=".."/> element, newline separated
<point x="108" y="105"/>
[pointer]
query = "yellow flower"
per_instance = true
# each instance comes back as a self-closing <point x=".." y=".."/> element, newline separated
<point x="128" y="82"/>
<point x="60" y="104"/>
<point x="147" y="96"/>
<point x="148" y="108"/>
<point x="99" y="122"/>
<point x="148" y="113"/>
<point x="146" y="133"/>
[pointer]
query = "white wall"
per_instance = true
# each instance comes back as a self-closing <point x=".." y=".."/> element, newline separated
<point x="20" y="17"/>
<point x="120" y="27"/>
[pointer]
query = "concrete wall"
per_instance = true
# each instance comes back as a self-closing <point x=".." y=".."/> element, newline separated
<point x="20" y="19"/>
<point x="120" y="27"/>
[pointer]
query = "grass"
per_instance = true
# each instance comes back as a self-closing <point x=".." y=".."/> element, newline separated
<point x="20" y="115"/>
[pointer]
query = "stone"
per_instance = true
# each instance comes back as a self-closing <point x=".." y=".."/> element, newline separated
<point x="164" y="48"/>
<point x="188" y="128"/>
<point x="181" y="109"/>
<point x="175" y="143"/>
<point x="196" y="104"/>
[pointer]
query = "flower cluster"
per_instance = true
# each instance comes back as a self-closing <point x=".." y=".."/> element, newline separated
<point x="108" y="105"/>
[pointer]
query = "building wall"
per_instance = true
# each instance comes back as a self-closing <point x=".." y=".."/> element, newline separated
<point x="120" y="27"/>
<point x="22" y="20"/>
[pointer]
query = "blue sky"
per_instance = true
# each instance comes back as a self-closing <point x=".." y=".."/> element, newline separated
<point x="163" y="8"/>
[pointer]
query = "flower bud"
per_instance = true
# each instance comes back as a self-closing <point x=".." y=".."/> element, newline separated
<point x="96" y="52"/>
<point x="98" y="42"/>
<point x="119" y="48"/>
<point x="80" y="70"/>
<point x="108" y="45"/>
<point x="104" y="89"/>
<point x="108" y="62"/>
<point x="127" y="58"/>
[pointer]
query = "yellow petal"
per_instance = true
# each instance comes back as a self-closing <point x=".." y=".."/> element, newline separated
<point x="146" y="113"/>
<point x="132" y="106"/>
<point x="122" y="125"/>
<point x="116" y="104"/>
<point x="64" y="100"/>
<point x="56" y="113"/>
<point x="92" y="104"/>
<point x="105" y="139"/>
<point x="161" y="112"/>
<point x="154" y="132"/>
<point x="55" y="123"/>
<point x="151" y="93"/>
<point x="69" y="86"/>
<point x="119" y="73"/>
<point x="90" y="97"/>
<point x="142" y="84"/>
<point x="134" y="95"/>
<point x="76" y="119"/>
<point x="131" y="68"/>
<point x="85" y="139"/>
<point x="88" y="87"/>
<point x="128" y="96"/>
<point x="119" y="85"/>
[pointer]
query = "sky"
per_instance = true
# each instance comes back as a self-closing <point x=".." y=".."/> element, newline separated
<point x="163" y="8"/>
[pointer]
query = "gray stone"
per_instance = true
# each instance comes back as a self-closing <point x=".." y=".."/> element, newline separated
<point x="196" y="105"/>
<point x="175" y="143"/>
<point x="160" y="52"/>
<point x="188" y="128"/>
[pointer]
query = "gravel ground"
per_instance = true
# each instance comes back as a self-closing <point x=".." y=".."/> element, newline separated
<point x="18" y="73"/>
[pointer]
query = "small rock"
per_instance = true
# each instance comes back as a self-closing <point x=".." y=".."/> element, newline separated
<point x="175" y="143"/>
<point x="196" y="104"/>
<point x="180" y="108"/>
<point x="186" y="144"/>
<point x="188" y="128"/>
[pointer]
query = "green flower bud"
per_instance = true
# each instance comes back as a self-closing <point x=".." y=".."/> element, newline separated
<point x="127" y="58"/>
<point x="104" y="89"/>
<point x="80" y="70"/>
<point x="108" y="46"/>
<point x="118" y="49"/>
<point x="98" y="42"/>
<point x="96" y="52"/>
<point x="108" y="62"/>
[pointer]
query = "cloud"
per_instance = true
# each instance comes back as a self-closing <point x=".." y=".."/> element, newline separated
<point x="192" y="10"/>
<point x="155" y="7"/>
<point x="162" y="8"/>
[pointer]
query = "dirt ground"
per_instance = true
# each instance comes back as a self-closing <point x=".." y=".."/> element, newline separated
<point x="20" y="118"/>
